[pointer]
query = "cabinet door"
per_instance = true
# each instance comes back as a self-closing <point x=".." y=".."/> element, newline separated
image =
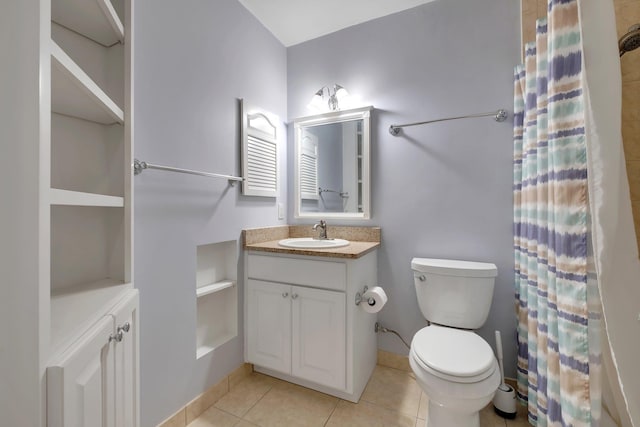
<point x="318" y="336"/>
<point x="80" y="386"/>
<point x="269" y="325"/>
<point x="127" y="361"/>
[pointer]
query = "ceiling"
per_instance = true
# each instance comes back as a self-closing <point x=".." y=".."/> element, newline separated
<point x="296" y="21"/>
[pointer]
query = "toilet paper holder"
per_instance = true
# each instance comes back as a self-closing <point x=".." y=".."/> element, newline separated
<point x="359" y="298"/>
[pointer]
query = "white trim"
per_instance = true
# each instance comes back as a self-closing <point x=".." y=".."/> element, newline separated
<point x="77" y="198"/>
<point x="363" y="114"/>
<point x="214" y="287"/>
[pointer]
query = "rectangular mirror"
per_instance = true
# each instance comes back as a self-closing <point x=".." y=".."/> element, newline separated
<point x="332" y="165"/>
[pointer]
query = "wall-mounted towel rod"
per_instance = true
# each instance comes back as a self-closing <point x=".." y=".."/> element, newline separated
<point x="139" y="167"/>
<point x="499" y="116"/>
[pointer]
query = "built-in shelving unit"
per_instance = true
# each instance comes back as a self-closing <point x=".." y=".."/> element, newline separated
<point x="216" y="295"/>
<point x="90" y="194"/>
<point x="68" y="232"/>
<point x="97" y="20"/>
<point x="75" y="94"/>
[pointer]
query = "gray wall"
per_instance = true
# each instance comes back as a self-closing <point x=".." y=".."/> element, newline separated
<point x="193" y="58"/>
<point x="442" y="190"/>
<point x="438" y="191"/>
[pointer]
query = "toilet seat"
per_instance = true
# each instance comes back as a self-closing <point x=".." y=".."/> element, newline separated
<point x="453" y="354"/>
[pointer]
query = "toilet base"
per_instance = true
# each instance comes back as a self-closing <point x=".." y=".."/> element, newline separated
<point x="439" y="416"/>
<point x="454" y="404"/>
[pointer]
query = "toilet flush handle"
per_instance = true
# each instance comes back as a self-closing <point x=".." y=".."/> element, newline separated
<point x="422" y="278"/>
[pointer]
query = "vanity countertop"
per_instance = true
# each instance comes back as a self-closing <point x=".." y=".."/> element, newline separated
<point x="362" y="240"/>
<point x="354" y="250"/>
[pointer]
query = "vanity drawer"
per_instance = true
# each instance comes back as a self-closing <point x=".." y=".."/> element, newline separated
<point x="317" y="274"/>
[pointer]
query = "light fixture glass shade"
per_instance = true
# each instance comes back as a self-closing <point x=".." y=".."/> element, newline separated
<point x="316" y="102"/>
<point x="340" y="92"/>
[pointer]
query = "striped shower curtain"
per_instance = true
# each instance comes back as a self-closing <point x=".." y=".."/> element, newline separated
<point x="551" y="225"/>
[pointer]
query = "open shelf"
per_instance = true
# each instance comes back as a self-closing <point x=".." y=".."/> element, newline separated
<point x="74" y="93"/>
<point x="214" y="287"/>
<point x="89" y="243"/>
<point x="216" y="320"/>
<point x="96" y="20"/>
<point x="77" y="198"/>
<point x="221" y="339"/>
<point x="104" y="65"/>
<point x="87" y="157"/>
<point x="216" y="295"/>
<point x="74" y="309"/>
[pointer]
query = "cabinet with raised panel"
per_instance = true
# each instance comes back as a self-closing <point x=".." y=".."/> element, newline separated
<point x="302" y="324"/>
<point x="94" y="381"/>
<point x="298" y="331"/>
<point x="269" y="325"/>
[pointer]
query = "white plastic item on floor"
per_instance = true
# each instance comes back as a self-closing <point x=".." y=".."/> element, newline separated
<point x="504" y="401"/>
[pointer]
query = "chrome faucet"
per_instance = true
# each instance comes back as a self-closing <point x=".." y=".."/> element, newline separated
<point x="323" y="230"/>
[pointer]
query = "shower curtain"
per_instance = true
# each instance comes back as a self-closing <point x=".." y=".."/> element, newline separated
<point x="577" y="274"/>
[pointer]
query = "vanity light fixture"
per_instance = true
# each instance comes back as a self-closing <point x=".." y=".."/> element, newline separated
<point x="332" y="98"/>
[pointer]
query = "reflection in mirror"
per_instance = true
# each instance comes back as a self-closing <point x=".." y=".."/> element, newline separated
<point x="332" y="164"/>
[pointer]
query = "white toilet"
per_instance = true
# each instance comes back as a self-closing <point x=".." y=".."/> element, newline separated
<point x="455" y="367"/>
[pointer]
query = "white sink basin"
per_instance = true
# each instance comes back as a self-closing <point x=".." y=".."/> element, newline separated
<point x="311" y="243"/>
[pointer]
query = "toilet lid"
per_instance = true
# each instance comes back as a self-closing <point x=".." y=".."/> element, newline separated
<point x="453" y="352"/>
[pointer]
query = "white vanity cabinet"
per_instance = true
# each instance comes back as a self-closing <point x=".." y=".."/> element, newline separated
<point x="298" y="331"/>
<point x="302" y="323"/>
<point x="318" y="336"/>
<point x="94" y="382"/>
<point x="269" y="325"/>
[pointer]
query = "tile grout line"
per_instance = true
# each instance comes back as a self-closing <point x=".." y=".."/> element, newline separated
<point x="396" y="369"/>
<point x="253" y="406"/>
<point x="397" y="410"/>
<point x="240" y="418"/>
<point x="332" y="412"/>
<point x="226" y="412"/>
<point x="388" y="408"/>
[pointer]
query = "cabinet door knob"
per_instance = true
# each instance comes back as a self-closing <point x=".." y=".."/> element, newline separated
<point x="285" y="294"/>
<point x="117" y="337"/>
<point x="294" y="296"/>
<point x="125" y="328"/>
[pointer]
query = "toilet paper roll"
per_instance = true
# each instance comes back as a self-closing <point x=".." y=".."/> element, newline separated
<point x="374" y="299"/>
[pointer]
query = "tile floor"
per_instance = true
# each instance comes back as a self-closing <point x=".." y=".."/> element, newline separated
<point x="392" y="398"/>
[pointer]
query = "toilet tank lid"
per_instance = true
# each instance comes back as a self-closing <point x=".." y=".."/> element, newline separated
<point x="451" y="267"/>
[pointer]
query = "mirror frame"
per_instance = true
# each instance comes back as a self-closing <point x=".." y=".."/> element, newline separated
<point x="363" y="114"/>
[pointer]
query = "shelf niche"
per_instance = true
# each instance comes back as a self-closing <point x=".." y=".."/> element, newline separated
<point x="87" y="157"/>
<point x="87" y="246"/>
<point x="217" y="295"/>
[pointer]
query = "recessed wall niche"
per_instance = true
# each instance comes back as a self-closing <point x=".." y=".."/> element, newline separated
<point x="217" y="295"/>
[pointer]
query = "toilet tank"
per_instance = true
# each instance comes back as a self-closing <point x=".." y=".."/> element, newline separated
<point x="454" y="293"/>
